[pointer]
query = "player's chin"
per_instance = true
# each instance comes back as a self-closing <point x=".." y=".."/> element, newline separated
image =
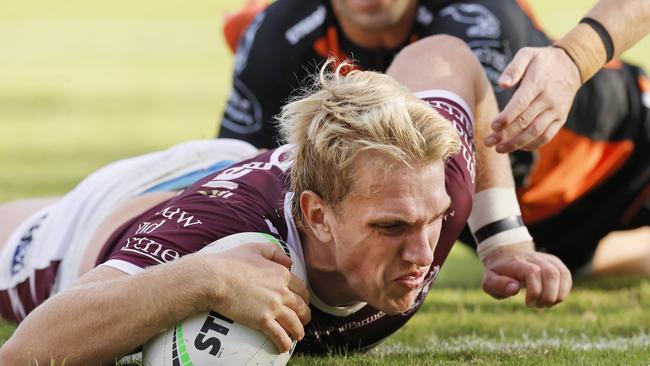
<point x="399" y="303"/>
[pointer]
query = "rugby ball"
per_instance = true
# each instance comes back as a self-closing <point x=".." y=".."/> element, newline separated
<point x="211" y="339"/>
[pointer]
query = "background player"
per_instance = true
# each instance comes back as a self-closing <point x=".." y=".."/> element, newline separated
<point x="598" y="159"/>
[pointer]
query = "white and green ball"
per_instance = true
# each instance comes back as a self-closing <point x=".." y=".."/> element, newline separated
<point x="210" y="339"/>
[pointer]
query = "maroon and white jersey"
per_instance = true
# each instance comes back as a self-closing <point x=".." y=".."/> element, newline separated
<point x="252" y="196"/>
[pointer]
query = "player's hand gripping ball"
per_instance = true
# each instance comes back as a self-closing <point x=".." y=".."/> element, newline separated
<point x="210" y="339"/>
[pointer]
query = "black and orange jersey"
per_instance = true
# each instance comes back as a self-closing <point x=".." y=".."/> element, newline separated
<point x="285" y="43"/>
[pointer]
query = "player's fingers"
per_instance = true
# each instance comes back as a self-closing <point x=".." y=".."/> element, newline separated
<point x="298" y="299"/>
<point x="298" y="304"/>
<point x="533" y="281"/>
<point x="539" y="124"/>
<point x="276" y="333"/>
<point x="288" y="319"/>
<point x="521" y="122"/>
<point x="299" y="287"/>
<point x="547" y="136"/>
<point x="274" y="253"/>
<point x="566" y="280"/>
<point x="550" y="283"/>
<point x="519" y="102"/>
<point x="500" y="287"/>
<point x="516" y="68"/>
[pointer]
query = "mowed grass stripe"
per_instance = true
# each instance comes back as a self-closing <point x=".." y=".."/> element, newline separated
<point x="478" y="344"/>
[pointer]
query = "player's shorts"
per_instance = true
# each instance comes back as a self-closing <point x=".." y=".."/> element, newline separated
<point x="612" y="107"/>
<point x="43" y="255"/>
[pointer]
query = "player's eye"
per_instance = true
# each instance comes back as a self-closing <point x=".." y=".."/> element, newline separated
<point x="390" y="228"/>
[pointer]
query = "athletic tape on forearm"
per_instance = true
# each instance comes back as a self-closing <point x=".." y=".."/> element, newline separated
<point x="585" y="47"/>
<point x="495" y="221"/>
<point x="604" y="35"/>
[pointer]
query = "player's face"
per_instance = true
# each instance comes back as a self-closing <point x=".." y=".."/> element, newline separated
<point x="372" y="14"/>
<point x="387" y="230"/>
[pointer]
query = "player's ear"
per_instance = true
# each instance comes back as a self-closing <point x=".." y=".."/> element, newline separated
<point x="315" y="211"/>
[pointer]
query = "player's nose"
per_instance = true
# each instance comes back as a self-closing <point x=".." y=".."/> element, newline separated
<point x="418" y="249"/>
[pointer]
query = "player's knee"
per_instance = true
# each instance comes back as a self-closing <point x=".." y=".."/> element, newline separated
<point x="440" y="53"/>
<point x="443" y="47"/>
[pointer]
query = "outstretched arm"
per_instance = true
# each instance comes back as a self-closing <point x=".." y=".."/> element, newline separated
<point x="549" y="77"/>
<point x="507" y="249"/>
<point x="510" y="260"/>
<point x="106" y="313"/>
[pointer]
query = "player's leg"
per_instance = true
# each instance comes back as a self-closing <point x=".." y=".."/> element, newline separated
<point x="445" y="62"/>
<point x="15" y="212"/>
<point x="628" y="251"/>
<point x="623" y="252"/>
<point x="435" y="63"/>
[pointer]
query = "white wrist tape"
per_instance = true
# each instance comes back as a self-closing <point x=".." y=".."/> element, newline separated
<point x="495" y="221"/>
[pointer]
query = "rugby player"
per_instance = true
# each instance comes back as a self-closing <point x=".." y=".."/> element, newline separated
<point x="591" y="179"/>
<point x="119" y="253"/>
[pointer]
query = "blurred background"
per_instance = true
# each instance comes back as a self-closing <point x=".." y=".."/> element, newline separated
<point x="83" y="83"/>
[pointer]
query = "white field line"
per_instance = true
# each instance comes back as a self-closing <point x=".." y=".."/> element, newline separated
<point x="503" y="345"/>
<point x="478" y="344"/>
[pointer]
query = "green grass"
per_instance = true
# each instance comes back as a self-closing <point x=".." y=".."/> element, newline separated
<point x="86" y="83"/>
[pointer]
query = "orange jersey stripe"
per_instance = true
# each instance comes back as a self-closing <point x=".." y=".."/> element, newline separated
<point x="528" y="10"/>
<point x="644" y="83"/>
<point x="328" y="45"/>
<point x="235" y="24"/>
<point x="570" y="165"/>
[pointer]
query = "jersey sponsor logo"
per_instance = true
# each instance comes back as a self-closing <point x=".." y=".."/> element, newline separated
<point x="181" y="217"/>
<point x="224" y="179"/>
<point x="483" y="23"/>
<point x="306" y="25"/>
<point x="494" y="55"/>
<point x="150" y="248"/>
<point x="243" y="110"/>
<point x="347" y="326"/>
<point x="450" y="213"/>
<point x="148" y="227"/>
<point x="245" y="45"/>
<point x="424" y="16"/>
<point x="215" y="193"/>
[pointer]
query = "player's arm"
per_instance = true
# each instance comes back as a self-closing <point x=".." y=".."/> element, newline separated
<point x="509" y="258"/>
<point x="549" y="77"/>
<point x="504" y="245"/>
<point x="107" y="313"/>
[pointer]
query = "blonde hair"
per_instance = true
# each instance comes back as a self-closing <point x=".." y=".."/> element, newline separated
<point x="340" y="116"/>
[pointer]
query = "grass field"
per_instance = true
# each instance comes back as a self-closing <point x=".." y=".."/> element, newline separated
<point x="86" y="83"/>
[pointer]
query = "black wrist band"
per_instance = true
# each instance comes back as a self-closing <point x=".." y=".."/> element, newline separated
<point x="603" y="34"/>
<point x="493" y="228"/>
